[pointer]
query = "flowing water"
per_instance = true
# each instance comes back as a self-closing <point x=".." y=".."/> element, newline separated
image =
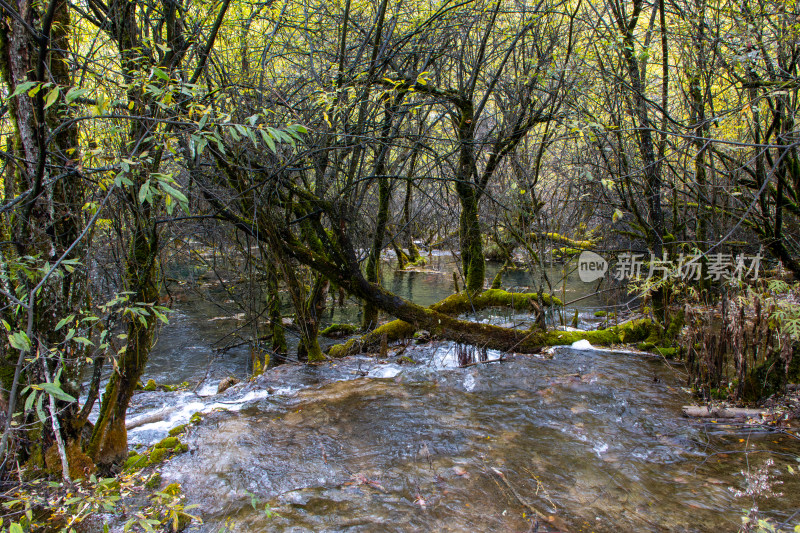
<point x="185" y="348"/>
<point x="582" y="440"/>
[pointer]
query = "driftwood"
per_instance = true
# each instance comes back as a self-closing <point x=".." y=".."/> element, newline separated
<point x="697" y="411"/>
<point x="149" y="418"/>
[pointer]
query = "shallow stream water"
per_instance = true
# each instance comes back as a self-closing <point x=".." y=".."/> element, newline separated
<point x="575" y="440"/>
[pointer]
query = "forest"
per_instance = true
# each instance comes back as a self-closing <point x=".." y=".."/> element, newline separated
<point x="354" y="187"/>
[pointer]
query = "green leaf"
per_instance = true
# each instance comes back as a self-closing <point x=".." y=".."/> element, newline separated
<point x="30" y="400"/>
<point x="22" y="87"/>
<point x="172" y="191"/>
<point x="161" y="316"/>
<point x="64" y="321"/>
<point x="40" y="410"/>
<point x="20" y="341"/>
<point x="51" y="97"/>
<point x="84" y="341"/>
<point x="160" y="74"/>
<point x="144" y="192"/>
<point x="55" y="390"/>
<point x="267" y="139"/>
<point x="74" y="93"/>
<point x="15" y="528"/>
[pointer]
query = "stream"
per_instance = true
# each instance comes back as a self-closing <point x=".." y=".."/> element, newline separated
<point x="570" y="440"/>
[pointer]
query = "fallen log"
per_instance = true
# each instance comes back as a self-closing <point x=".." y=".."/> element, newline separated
<point x="149" y="418"/>
<point x="698" y="411"/>
<point x="494" y="337"/>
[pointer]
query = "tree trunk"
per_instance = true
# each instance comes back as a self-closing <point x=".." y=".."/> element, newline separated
<point x="470" y="239"/>
<point x="109" y="442"/>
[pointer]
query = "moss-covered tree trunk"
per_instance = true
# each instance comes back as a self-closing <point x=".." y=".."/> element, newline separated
<point x="42" y="219"/>
<point x="470" y="239"/>
<point x="109" y="442"/>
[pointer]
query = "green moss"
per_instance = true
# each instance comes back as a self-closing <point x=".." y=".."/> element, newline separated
<point x="406" y="359"/>
<point x="135" y="462"/>
<point x="154" y="481"/>
<point x="464" y="302"/>
<point x="177" y="430"/>
<point x="565" y="252"/>
<point x="395" y="330"/>
<point x="600" y="314"/>
<point x="498" y="280"/>
<point x="628" y="332"/>
<point x="173" y="489"/>
<point x="158" y="455"/>
<point x="572" y="243"/>
<point x="668" y="353"/>
<point x="421" y="262"/>
<point x="675" y="326"/>
<point x="195" y="418"/>
<point x="151" y="385"/>
<point x="339" y="330"/>
<point x="168" y="443"/>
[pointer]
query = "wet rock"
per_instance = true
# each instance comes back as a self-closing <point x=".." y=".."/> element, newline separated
<point x="226" y="384"/>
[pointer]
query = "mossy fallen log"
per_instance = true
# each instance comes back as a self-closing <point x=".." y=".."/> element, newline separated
<point x="467" y="332"/>
<point x="395" y="330"/>
<point x="633" y="331"/>
<point x="562" y="239"/>
<point x="338" y="330"/>
<point x="463" y="302"/>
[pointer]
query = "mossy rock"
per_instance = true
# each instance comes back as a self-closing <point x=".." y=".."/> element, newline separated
<point x="600" y="314"/>
<point x="168" y="443"/>
<point x="150" y="386"/>
<point x="195" y="418"/>
<point x="335" y="331"/>
<point x="158" y="455"/>
<point x="177" y="430"/>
